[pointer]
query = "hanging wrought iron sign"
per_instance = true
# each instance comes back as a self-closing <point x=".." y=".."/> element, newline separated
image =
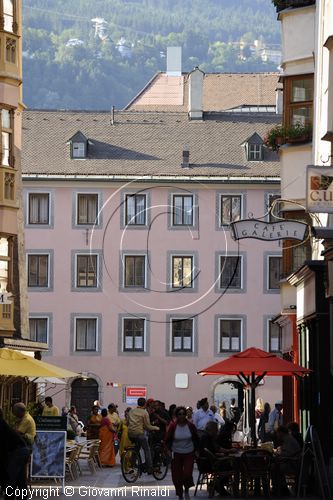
<point x="268" y="231"/>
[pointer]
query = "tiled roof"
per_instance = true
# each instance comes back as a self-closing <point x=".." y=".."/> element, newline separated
<point x="145" y="144"/>
<point x="221" y="91"/>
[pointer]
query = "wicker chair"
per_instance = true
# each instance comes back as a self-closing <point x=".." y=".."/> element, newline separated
<point x="90" y="454"/>
<point x="225" y="470"/>
<point x="256" y="470"/>
<point x="70" y="462"/>
<point x="205" y="473"/>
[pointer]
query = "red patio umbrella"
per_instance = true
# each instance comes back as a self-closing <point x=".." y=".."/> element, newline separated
<point x="251" y="366"/>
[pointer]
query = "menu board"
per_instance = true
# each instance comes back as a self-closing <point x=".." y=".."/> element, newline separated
<point x="48" y="454"/>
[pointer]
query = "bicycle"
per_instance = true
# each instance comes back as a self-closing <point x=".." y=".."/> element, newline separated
<point x="132" y="467"/>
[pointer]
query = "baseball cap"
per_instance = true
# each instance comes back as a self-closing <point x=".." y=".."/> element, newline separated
<point x="279" y="402"/>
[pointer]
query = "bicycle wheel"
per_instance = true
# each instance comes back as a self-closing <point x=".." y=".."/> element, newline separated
<point x="130" y="465"/>
<point x="160" y="463"/>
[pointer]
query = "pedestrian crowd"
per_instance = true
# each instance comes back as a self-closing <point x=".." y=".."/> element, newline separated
<point x="187" y="433"/>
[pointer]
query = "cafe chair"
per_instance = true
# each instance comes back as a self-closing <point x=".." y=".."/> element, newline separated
<point x="225" y="474"/>
<point x="70" y="462"/>
<point x="256" y="471"/>
<point x="291" y="467"/>
<point x="205" y="473"/>
<point x="90" y="455"/>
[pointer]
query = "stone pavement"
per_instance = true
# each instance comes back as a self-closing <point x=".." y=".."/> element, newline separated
<point x="108" y="482"/>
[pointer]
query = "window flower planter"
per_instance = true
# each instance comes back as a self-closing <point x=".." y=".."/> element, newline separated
<point x="298" y="133"/>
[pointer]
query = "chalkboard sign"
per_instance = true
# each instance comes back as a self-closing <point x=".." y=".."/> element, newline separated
<point x="48" y="455"/>
<point x="312" y="462"/>
<point x="51" y="423"/>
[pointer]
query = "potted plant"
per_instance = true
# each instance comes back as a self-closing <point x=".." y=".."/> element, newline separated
<point x="298" y="133"/>
<point x="275" y="137"/>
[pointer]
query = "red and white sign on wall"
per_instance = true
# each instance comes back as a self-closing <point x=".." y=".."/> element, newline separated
<point x="132" y="393"/>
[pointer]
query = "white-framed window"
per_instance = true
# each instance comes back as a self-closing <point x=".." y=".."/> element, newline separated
<point x="254" y="152"/>
<point x="231" y="208"/>
<point x="38" y="270"/>
<point x="274" y="272"/>
<point x="135" y="209"/>
<point x="85" y="334"/>
<point x="134" y="335"/>
<point x="182" y="271"/>
<point x="78" y="150"/>
<point x="86" y="270"/>
<point x="87" y="209"/>
<point x="38" y="208"/>
<point x="230" y="335"/>
<point x="274" y="337"/>
<point x="134" y="271"/>
<point x="230" y="273"/>
<point x="182" y="335"/>
<point x="38" y="328"/>
<point x="182" y="210"/>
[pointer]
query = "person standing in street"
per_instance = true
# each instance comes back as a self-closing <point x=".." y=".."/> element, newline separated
<point x="182" y="440"/>
<point x="50" y="410"/>
<point x="25" y="424"/>
<point x="202" y="416"/>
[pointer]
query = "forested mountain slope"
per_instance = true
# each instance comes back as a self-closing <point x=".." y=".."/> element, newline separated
<point x="84" y="54"/>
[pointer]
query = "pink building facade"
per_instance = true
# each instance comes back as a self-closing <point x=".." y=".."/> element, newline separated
<point x="133" y="277"/>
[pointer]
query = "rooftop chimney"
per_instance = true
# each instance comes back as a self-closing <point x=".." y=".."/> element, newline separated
<point x="195" y="94"/>
<point x="186" y="157"/>
<point x="174" y="61"/>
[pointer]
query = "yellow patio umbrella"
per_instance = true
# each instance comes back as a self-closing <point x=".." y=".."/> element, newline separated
<point x="16" y="364"/>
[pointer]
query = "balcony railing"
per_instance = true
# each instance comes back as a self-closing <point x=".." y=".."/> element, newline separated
<point x="285" y="4"/>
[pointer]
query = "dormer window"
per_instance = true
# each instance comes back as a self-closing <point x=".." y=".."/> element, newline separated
<point x="254" y="148"/>
<point x="79" y="146"/>
<point x="255" y="152"/>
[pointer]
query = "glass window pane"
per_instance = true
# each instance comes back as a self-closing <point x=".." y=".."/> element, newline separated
<point x="78" y="150"/>
<point x="230" y="209"/>
<point x="38" y="208"/>
<point x="141" y="209"/>
<point x="230" y="272"/>
<point x="130" y="210"/>
<point x="5" y="118"/>
<point x="275" y="268"/>
<point x="87" y="208"/>
<point x="236" y="208"/>
<point x="230" y="335"/>
<point x="135" y="271"/>
<point x="302" y="90"/>
<point x="188" y="210"/>
<point x="136" y="209"/>
<point x="301" y="115"/>
<point x="183" y="210"/>
<point x="5" y="148"/>
<point x="187" y="272"/>
<point x="134" y="334"/>
<point x="38" y="329"/>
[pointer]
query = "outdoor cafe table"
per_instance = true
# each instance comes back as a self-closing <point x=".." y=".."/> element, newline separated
<point x="237" y="455"/>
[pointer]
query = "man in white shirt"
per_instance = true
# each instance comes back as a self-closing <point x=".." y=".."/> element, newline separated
<point x="202" y="416"/>
<point x="217" y="416"/>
